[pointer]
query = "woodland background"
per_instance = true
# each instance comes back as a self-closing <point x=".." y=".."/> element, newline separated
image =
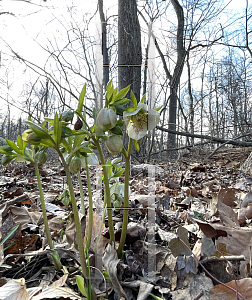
<point x="192" y="57"/>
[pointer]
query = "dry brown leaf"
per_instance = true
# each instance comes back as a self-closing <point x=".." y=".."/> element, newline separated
<point x="14" y="290"/>
<point x="244" y="213"/>
<point x="244" y="287"/>
<point x="228" y="197"/>
<point x="110" y="261"/>
<point x="60" y="282"/>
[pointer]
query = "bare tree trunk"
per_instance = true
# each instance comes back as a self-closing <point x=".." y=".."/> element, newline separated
<point x="191" y="105"/>
<point x="104" y="45"/>
<point x="177" y="73"/>
<point x="129" y="47"/>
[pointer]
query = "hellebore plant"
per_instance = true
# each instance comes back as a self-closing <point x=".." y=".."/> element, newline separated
<point x="75" y="149"/>
<point x="36" y="156"/>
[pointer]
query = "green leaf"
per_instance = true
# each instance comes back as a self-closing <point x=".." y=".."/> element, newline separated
<point x="40" y="131"/>
<point x="78" y="140"/>
<point x="116" y="130"/>
<point x="81" y="98"/>
<point x="50" y="121"/>
<point x="28" y="155"/>
<point x="6" y="149"/>
<point x="81" y="285"/>
<point x="122" y="94"/>
<point x="49" y="142"/>
<point x="158" y="108"/>
<point x="121" y="101"/>
<point x="143" y="99"/>
<point x="20" y="142"/>
<point x="6" y="158"/>
<point x="119" y="109"/>
<point x="9" y="235"/>
<point x="116" y="160"/>
<point x="13" y="146"/>
<point x="119" y="173"/>
<point x="133" y="99"/>
<point x="85" y="150"/>
<point x="57" y="129"/>
<point x="66" y="145"/>
<point x="109" y="86"/>
<point x="136" y="145"/>
<point x="120" y="123"/>
<point x="155" y="297"/>
<point x="131" y="109"/>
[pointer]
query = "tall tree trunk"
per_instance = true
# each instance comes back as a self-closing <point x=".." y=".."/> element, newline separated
<point x="177" y="73"/>
<point x="129" y="47"/>
<point x="104" y="45"/>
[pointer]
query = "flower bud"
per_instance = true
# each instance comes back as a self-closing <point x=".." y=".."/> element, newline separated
<point x="31" y="137"/>
<point x="78" y="125"/>
<point x="67" y="116"/>
<point x="114" y="144"/>
<point x="106" y="119"/>
<point x="75" y="165"/>
<point x="42" y="158"/>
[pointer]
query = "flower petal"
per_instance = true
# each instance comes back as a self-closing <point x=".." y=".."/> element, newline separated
<point x="136" y="133"/>
<point x="153" y="118"/>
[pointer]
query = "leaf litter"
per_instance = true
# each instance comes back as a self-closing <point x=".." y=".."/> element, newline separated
<point x="202" y="226"/>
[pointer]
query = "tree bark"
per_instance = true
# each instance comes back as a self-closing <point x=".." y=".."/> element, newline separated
<point x="129" y="47"/>
<point x="104" y="45"/>
<point x="177" y="73"/>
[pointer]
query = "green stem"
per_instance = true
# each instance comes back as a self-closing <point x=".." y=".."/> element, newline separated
<point x="90" y="208"/>
<point x="126" y="201"/>
<point x="107" y="200"/>
<point x="76" y="216"/>
<point x="81" y="194"/>
<point x="55" y="255"/>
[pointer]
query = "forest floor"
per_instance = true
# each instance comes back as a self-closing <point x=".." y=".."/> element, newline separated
<point x="199" y="241"/>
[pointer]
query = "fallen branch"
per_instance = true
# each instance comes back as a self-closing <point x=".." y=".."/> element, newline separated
<point x="207" y="137"/>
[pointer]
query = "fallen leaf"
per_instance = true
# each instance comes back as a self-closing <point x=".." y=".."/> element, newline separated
<point x="244" y="287"/>
<point x="110" y="261"/>
<point x="14" y="290"/>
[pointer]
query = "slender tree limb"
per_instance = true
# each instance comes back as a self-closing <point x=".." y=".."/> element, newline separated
<point x="208" y="137"/>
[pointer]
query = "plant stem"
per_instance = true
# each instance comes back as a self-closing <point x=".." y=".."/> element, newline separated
<point x="107" y="200"/>
<point x="90" y="208"/>
<point x="126" y="201"/>
<point x="55" y="256"/>
<point x="76" y="216"/>
<point x="81" y="194"/>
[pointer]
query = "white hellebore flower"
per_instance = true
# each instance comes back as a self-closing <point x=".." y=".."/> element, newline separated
<point x="106" y="119"/>
<point x="141" y="120"/>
